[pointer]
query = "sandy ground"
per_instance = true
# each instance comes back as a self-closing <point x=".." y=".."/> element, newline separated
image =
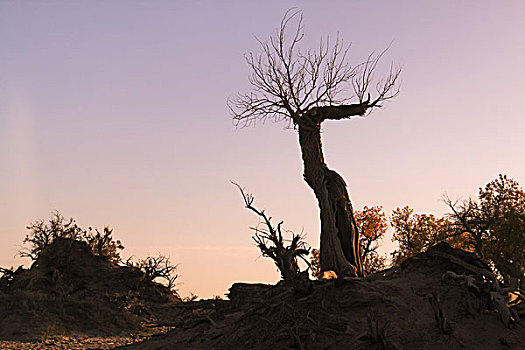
<point x="71" y="343"/>
<point x="442" y="299"/>
<point x="58" y="342"/>
<point x="434" y="301"/>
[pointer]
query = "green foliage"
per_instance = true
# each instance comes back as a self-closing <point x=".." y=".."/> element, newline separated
<point x="41" y="234"/>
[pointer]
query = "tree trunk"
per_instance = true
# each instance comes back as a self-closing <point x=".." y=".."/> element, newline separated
<point x="339" y="236"/>
<point x="507" y="269"/>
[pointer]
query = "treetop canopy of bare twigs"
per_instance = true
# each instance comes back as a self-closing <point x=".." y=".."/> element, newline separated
<point x="289" y="81"/>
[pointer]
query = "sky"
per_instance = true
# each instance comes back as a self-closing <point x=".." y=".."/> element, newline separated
<point x="114" y="113"/>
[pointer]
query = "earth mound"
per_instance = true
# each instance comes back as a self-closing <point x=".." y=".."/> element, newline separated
<point x="69" y="290"/>
<point x="443" y="298"/>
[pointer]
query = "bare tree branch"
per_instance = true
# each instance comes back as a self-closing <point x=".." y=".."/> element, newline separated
<point x="305" y="87"/>
<point x="159" y="267"/>
<point x="271" y="243"/>
<point x="288" y="81"/>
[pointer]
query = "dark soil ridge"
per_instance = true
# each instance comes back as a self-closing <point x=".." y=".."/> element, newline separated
<point x="68" y="290"/>
<point x="436" y="300"/>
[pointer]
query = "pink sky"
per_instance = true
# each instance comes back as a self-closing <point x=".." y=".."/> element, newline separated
<point x="114" y="113"/>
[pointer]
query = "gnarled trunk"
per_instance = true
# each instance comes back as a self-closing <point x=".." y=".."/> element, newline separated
<point x="339" y="236"/>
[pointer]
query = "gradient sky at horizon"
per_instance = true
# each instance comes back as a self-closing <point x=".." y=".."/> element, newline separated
<point x="114" y="113"/>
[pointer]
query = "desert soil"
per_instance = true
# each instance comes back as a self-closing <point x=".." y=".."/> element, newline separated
<point x="434" y="301"/>
<point x="70" y="343"/>
<point x="442" y="299"/>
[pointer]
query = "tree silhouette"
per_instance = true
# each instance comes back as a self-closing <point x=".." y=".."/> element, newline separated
<point x="306" y="88"/>
<point x="157" y="268"/>
<point x="495" y="225"/>
<point x="42" y="233"/>
<point x="270" y="241"/>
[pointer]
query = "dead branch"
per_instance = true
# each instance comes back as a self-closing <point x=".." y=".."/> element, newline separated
<point x="159" y="267"/>
<point x="271" y="243"/>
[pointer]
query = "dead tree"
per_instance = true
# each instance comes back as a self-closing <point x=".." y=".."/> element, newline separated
<point x="271" y="243"/>
<point x="155" y="268"/>
<point x="306" y="88"/>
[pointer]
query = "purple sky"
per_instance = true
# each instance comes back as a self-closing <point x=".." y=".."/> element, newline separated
<point x="114" y="113"/>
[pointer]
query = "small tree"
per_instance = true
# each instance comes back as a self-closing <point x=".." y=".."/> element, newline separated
<point x="44" y="233"/>
<point x="102" y="244"/>
<point x="157" y="268"/>
<point x="372" y="225"/>
<point x="273" y="245"/>
<point x="495" y="225"/>
<point x="306" y="88"/>
<point x="417" y="232"/>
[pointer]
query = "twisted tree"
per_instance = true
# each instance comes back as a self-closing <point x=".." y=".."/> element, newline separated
<point x="305" y="88"/>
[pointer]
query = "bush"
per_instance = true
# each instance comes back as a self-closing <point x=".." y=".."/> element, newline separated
<point x="103" y="244"/>
<point x="6" y="277"/>
<point x="44" y="233"/>
<point x="157" y="268"/>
